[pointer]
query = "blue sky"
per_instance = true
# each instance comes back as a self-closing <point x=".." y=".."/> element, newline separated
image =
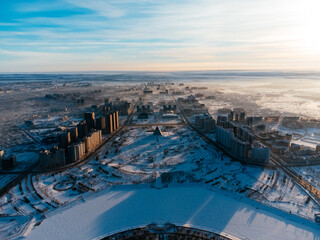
<point x="167" y="35"/>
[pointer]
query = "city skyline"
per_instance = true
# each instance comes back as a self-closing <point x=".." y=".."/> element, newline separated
<point x="79" y="35"/>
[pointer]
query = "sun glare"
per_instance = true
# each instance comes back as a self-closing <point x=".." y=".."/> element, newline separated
<point x="308" y="19"/>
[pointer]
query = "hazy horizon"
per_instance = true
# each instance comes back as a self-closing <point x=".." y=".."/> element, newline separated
<point x="226" y="71"/>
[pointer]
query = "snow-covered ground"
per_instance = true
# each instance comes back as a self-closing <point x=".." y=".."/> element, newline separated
<point x="137" y="157"/>
<point x="310" y="174"/>
<point x="113" y="192"/>
<point x="7" y="178"/>
<point x="126" y="207"/>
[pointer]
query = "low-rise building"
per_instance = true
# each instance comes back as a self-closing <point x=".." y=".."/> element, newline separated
<point x="295" y="147"/>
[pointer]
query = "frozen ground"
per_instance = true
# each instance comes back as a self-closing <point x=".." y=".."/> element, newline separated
<point x="130" y="207"/>
<point x="135" y="157"/>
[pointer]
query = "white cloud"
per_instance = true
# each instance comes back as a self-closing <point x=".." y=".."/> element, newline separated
<point x="101" y="7"/>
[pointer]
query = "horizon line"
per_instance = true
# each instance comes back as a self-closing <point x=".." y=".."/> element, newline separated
<point x="157" y="71"/>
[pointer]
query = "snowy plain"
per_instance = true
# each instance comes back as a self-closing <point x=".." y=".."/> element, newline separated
<point x="124" y="208"/>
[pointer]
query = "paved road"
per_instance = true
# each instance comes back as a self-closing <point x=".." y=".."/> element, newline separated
<point x="311" y="191"/>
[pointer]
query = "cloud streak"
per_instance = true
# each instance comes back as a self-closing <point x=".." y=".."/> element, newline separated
<point x="181" y="35"/>
<point x="103" y="8"/>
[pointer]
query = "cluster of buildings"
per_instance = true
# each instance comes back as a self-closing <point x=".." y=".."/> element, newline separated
<point x="235" y="115"/>
<point x="178" y="92"/>
<point x="123" y="107"/>
<point x="169" y="107"/>
<point x="277" y="141"/>
<point x="192" y="106"/>
<point x="254" y="120"/>
<point x="205" y="122"/>
<point x="148" y="108"/>
<point x="239" y="142"/>
<point x="292" y="153"/>
<point x="143" y="108"/>
<point x="256" y="123"/>
<point x="147" y="90"/>
<point x="302" y="156"/>
<point x="52" y="158"/>
<point x="76" y="142"/>
<point x="7" y="163"/>
<point x="169" y="110"/>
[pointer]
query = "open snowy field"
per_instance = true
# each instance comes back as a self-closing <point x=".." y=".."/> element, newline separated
<point x="187" y="205"/>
